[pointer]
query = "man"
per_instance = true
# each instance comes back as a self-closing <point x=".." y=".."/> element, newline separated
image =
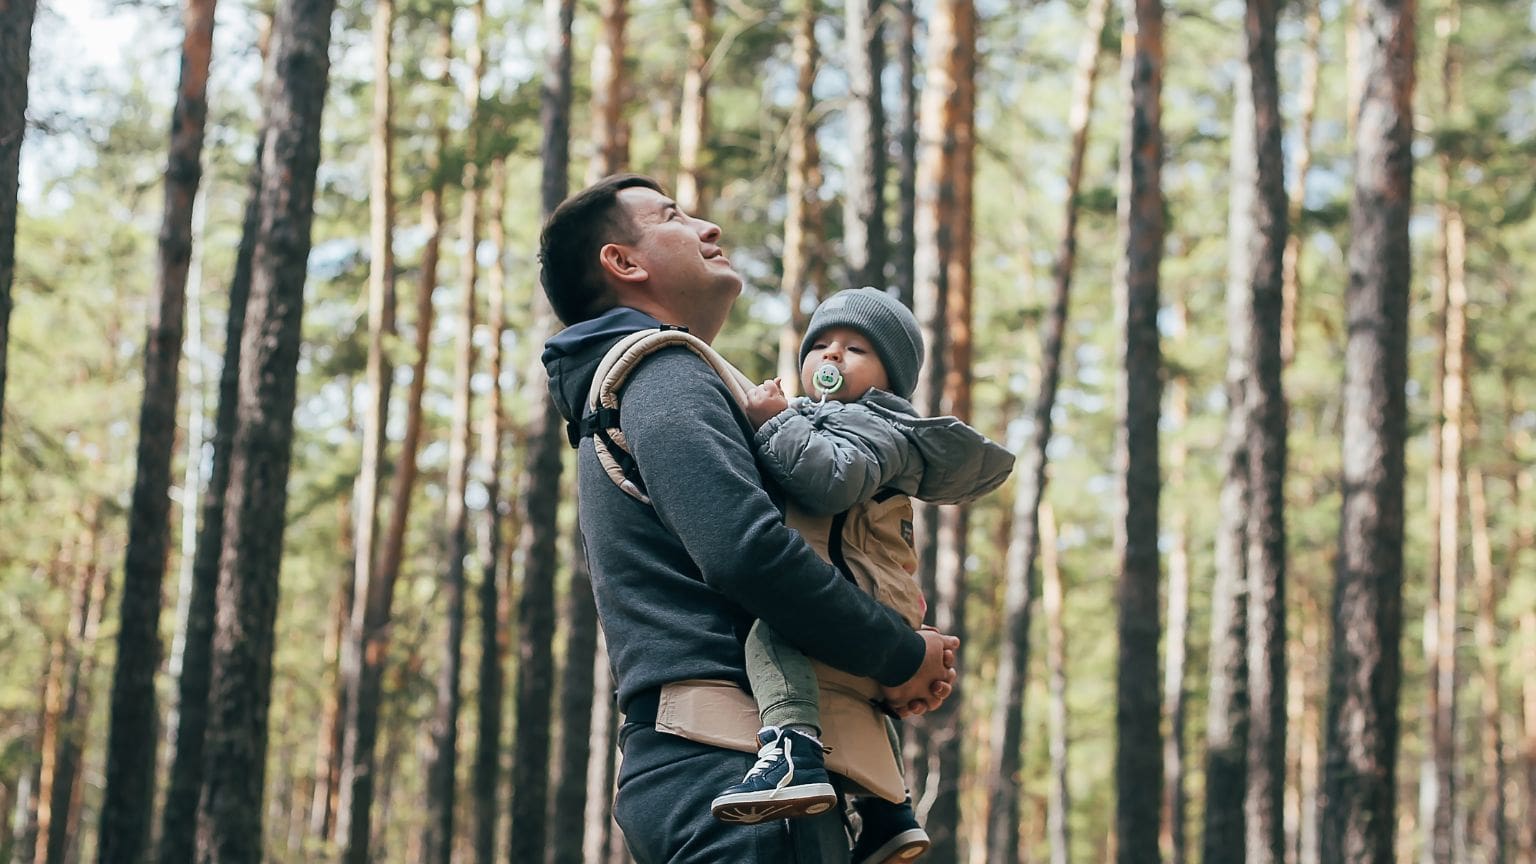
<point x="678" y="582"/>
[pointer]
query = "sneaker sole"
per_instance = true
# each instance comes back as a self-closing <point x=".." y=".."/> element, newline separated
<point x="909" y="845"/>
<point x="791" y="802"/>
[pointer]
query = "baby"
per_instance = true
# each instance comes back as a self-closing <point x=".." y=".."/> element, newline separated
<point x="856" y="453"/>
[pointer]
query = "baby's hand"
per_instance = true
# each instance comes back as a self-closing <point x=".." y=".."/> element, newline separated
<point x="765" y="401"/>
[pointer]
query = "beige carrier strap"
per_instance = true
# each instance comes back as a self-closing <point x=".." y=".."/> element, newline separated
<point x="614" y="370"/>
<point x="721" y="714"/>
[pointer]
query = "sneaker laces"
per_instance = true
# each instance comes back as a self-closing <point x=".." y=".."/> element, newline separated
<point x="769" y="754"/>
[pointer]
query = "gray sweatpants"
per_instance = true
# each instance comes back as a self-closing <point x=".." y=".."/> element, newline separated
<point x="665" y="786"/>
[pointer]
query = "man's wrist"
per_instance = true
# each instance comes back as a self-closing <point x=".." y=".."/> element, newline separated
<point x="906" y="659"/>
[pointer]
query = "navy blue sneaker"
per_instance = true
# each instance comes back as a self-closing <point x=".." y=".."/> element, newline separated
<point x="888" y="833"/>
<point x="789" y="780"/>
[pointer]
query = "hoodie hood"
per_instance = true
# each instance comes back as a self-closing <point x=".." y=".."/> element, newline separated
<point x="571" y="356"/>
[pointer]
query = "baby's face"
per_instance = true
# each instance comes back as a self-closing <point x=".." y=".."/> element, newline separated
<point x="853" y="355"/>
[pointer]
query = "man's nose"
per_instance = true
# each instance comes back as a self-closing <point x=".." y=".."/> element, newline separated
<point x="709" y="232"/>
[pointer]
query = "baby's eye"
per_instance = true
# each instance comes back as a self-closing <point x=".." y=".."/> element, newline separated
<point x="855" y="349"/>
<point x="818" y="346"/>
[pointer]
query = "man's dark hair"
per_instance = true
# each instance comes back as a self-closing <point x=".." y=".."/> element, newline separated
<point x="568" y="247"/>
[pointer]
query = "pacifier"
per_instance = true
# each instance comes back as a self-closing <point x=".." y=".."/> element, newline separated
<point x="827" y="380"/>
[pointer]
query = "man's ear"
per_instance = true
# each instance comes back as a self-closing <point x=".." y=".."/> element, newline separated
<point x="618" y="262"/>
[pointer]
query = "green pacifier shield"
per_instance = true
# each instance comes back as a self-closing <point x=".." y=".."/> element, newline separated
<point x="827" y="378"/>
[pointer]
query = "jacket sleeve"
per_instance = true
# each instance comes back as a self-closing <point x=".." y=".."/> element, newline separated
<point x="699" y="471"/>
<point x="832" y="463"/>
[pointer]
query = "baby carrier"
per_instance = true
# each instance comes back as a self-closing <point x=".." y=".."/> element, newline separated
<point x="718" y="712"/>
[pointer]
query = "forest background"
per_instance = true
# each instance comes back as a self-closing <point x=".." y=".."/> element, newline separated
<point x="1125" y="695"/>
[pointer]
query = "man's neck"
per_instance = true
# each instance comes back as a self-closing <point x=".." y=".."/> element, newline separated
<point x="700" y="323"/>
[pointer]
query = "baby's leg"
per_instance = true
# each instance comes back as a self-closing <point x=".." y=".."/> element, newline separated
<point x="783" y="682"/>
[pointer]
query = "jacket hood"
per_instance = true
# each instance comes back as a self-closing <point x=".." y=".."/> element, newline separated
<point x="571" y="356"/>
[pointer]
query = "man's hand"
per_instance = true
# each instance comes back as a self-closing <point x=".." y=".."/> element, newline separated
<point x="765" y="401"/>
<point x="934" y="680"/>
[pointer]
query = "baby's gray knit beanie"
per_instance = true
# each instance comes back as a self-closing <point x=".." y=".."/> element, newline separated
<point x="890" y="327"/>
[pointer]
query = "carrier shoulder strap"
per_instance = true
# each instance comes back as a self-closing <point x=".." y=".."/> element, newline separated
<point x="600" y="414"/>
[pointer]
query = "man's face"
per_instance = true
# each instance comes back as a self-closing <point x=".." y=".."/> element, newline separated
<point x="853" y="356"/>
<point x="681" y="254"/>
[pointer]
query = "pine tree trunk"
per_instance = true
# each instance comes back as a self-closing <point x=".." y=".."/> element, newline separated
<point x="576" y="702"/>
<point x="1441" y="841"/>
<point x="1174" y="844"/>
<point x="1138" y="754"/>
<point x="70" y="740"/>
<point x="932" y="236"/>
<point x="600" y="774"/>
<point x="372" y="610"/>
<point x="1491" y="829"/>
<point x="1307" y="110"/>
<point x="379" y="376"/>
<point x="229" y="819"/>
<point x="442" y="764"/>
<point x="864" y="238"/>
<point x="1226" y="767"/>
<point x="492" y="644"/>
<point x="191" y="475"/>
<point x="178" y="819"/>
<point x="1058" y="821"/>
<point x="945" y="726"/>
<point x="906" y="189"/>
<point x="1359" y="786"/>
<point x="1266" y="415"/>
<point x="1024" y="541"/>
<point x="1528" y="703"/>
<point x="132" y="734"/>
<point x="539" y="500"/>
<point x="15" y="62"/>
<point x="610" y="131"/>
<point x="21" y="842"/>
<point x="801" y="217"/>
<point x="693" y="122"/>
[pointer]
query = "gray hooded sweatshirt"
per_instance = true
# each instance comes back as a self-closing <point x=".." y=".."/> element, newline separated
<point x="679" y="582"/>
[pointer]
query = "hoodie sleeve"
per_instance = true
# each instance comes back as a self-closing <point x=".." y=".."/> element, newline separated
<point x="692" y="449"/>
<point x="830" y="462"/>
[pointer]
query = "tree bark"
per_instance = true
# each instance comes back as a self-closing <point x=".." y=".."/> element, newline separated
<point x="1227" y="706"/>
<point x="802" y="218"/>
<point x="598" y="829"/>
<point x="70" y="741"/>
<point x="610" y="131"/>
<point x="1024" y="541"/>
<point x="693" y="121"/>
<point x="576" y="703"/>
<point x="864" y="238"/>
<point x="1359" y="788"/>
<point x="906" y="194"/>
<point x="15" y="63"/>
<point x="373" y="609"/>
<point x="1058" y="815"/>
<point x="379" y="378"/>
<point x="944" y="726"/>
<point x="1490" y="826"/>
<point x="1174" y="843"/>
<point x="1440" y="846"/>
<point x="493" y="645"/>
<point x="539" y="500"/>
<point x="442" y="764"/>
<point x="1138" y="754"/>
<point x="1264" y="802"/>
<point x="132" y="733"/>
<point x="229" y="820"/>
<point x="1307" y="113"/>
<point x="178" y="819"/>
